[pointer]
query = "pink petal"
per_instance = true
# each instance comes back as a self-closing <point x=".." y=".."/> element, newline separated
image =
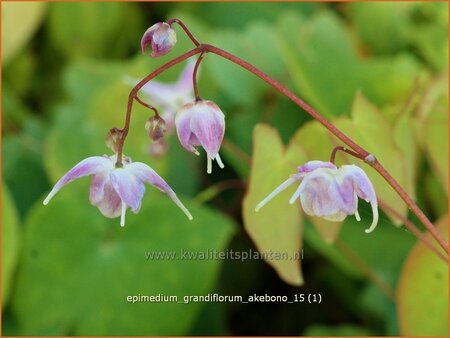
<point x="147" y="38"/>
<point x="320" y="195"/>
<point x="183" y="125"/>
<point x="89" y="166"/>
<point x="103" y="196"/>
<point x="361" y="182"/>
<point x="313" y="165"/>
<point x="146" y="174"/>
<point x="129" y="188"/>
<point x="363" y="188"/>
<point x="208" y="125"/>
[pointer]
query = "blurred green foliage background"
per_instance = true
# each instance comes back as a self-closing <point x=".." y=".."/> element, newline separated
<point x="377" y="70"/>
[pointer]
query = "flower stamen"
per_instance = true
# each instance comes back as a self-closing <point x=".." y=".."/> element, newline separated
<point x="122" y="215"/>
<point x="219" y="161"/>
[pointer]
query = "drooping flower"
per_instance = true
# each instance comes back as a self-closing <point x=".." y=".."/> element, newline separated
<point x="113" y="190"/>
<point x="330" y="192"/>
<point x="201" y="123"/>
<point x="161" y="37"/>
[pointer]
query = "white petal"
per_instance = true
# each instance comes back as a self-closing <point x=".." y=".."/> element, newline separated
<point x="280" y="188"/>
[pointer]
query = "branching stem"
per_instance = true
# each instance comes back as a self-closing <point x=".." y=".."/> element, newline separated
<point x="359" y="151"/>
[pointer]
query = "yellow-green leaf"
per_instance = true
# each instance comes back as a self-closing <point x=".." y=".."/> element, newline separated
<point x="277" y="226"/>
<point x="422" y="292"/>
<point x="19" y="21"/>
<point x="436" y="144"/>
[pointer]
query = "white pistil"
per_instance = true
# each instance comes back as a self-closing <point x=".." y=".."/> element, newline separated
<point x="122" y="215"/>
<point x="358" y="218"/>
<point x="375" y="217"/>
<point x="209" y="164"/>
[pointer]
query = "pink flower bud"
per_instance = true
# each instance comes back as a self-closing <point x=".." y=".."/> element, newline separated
<point x="160" y="37"/>
<point x="156" y="127"/>
<point x="201" y="123"/>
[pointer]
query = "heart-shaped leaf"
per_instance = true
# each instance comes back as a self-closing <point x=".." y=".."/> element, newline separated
<point x="277" y="227"/>
<point x="78" y="268"/>
<point x="422" y="291"/>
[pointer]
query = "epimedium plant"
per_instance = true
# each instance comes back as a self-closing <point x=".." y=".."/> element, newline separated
<point x="325" y="191"/>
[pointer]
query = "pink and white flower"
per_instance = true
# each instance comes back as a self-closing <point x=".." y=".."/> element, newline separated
<point x="330" y="192"/>
<point x="201" y="123"/>
<point x="160" y="37"/>
<point x="113" y="190"/>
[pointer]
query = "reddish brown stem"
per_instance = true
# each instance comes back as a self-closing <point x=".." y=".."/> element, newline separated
<point x="186" y="30"/>
<point x="194" y="75"/>
<point x="137" y="98"/>
<point x="345" y="150"/>
<point x="361" y="152"/>
<point x="135" y="90"/>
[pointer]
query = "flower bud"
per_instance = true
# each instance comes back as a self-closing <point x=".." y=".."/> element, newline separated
<point x="113" y="138"/>
<point x="160" y="37"/>
<point x="201" y="123"/>
<point x="156" y="127"/>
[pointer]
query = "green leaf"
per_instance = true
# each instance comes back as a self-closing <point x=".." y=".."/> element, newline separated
<point x="23" y="169"/>
<point x="76" y="275"/>
<point x="93" y="29"/>
<point x="422" y="291"/>
<point x="10" y="242"/>
<point x="322" y="245"/>
<point x="327" y="71"/>
<point x="242" y="12"/>
<point x="337" y="331"/>
<point x="277" y="227"/>
<point x="382" y="26"/>
<point x="17" y="33"/>
<point x="316" y="56"/>
<point x="436" y="145"/>
<point x="236" y="82"/>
